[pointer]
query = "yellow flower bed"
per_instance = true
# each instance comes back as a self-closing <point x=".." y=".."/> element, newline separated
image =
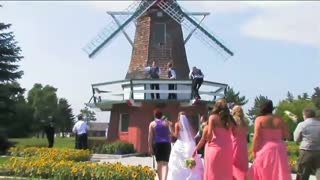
<point x="52" y="153"/>
<point x="43" y="164"/>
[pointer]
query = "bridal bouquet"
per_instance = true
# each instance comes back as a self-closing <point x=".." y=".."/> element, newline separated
<point x="190" y="163"/>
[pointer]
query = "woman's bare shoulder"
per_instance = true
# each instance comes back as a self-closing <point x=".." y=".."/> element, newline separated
<point x="214" y="117"/>
<point x="152" y="124"/>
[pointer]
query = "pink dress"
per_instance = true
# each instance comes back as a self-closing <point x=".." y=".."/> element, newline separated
<point x="218" y="156"/>
<point x="271" y="161"/>
<point x="240" y="154"/>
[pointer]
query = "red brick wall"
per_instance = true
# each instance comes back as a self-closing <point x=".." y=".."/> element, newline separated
<point x="140" y="50"/>
<point x="145" y="51"/>
<point x="140" y="119"/>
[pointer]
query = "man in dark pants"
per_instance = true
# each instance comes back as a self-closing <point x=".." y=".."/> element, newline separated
<point x="81" y="130"/>
<point x="49" y="130"/>
<point x="154" y="73"/>
<point x="171" y="75"/>
<point x="197" y="79"/>
<point x="307" y="132"/>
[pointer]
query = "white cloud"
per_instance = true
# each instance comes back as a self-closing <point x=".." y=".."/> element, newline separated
<point x="297" y="23"/>
<point x="290" y="21"/>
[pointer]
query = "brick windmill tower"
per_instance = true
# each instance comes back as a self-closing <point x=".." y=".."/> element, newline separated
<point x="159" y="38"/>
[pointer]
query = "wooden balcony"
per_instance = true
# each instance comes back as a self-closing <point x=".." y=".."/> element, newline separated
<point x="138" y="91"/>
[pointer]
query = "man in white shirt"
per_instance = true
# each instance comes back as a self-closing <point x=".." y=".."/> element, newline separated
<point x="307" y="134"/>
<point x="81" y="130"/>
<point x="172" y="75"/>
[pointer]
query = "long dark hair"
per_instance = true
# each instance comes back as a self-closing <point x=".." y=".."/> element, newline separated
<point x="266" y="108"/>
<point x="223" y="112"/>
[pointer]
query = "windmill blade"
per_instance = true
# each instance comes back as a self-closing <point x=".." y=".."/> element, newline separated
<point x="174" y="11"/>
<point x="112" y="29"/>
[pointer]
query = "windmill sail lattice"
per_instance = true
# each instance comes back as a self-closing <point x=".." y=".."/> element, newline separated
<point x="174" y="10"/>
<point x="112" y="29"/>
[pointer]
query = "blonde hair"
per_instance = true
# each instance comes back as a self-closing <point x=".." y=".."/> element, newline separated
<point x="222" y="102"/>
<point x="238" y="115"/>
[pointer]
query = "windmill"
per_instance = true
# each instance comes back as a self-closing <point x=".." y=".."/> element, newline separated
<point x="158" y="37"/>
<point x="157" y="9"/>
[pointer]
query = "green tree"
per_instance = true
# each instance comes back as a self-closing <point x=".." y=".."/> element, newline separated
<point x="316" y="100"/>
<point x="316" y="97"/>
<point x="296" y="107"/>
<point x="44" y="101"/>
<point x="23" y="119"/>
<point x="304" y="96"/>
<point x="290" y="97"/>
<point x="232" y="96"/>
<point x="88" y="114"/>
<point x="64" y="117"/>
<point x="255" y="110"/>
<point x="10" y="55"/>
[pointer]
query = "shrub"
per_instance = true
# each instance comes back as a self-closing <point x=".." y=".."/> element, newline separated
<point x="93" y="142"/>
<point x="118" y="147"/>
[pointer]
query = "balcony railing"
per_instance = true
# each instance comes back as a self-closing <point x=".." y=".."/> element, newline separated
<point x="139" y="90"/>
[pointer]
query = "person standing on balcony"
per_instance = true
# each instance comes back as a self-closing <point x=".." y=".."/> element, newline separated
<point x="172" y="75"/>
<point x="197" y="79"/>
<point x="154" y="73"/>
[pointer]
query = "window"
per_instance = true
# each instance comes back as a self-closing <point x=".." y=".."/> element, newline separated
<point x="159" y="34"/>
<point x="124" y="122"/>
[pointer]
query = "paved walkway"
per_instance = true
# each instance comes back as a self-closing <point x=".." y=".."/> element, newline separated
<point x="144" y="161"/>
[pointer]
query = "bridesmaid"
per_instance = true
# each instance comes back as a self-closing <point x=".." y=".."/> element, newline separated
<point x="269" y="149"/>
<point x="218" y="148"/>
<point x="240" y="146"/>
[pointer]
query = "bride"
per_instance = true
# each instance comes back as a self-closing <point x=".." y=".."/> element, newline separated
<point x="181" y="151"/>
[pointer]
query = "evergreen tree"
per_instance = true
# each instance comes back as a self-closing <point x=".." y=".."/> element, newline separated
<point x="290" y="97"/>
<point x="64" y="117"/>
<point x="255" y="110"/>
<point x="9" y="73"/>
<point x="304" y="96"/>
<point x="88" y="114"/>
<point x="316" y="100"/>
<point x="234" y="97"/>
<point x="23" y="118"/>
<point x="316" y="97"/>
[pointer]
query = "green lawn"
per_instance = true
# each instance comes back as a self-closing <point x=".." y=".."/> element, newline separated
<point x="3" y="160"/>
<point x="42" y="142"/>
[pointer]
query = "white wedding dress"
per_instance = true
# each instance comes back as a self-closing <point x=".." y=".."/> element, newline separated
<point x="180" y="152"/>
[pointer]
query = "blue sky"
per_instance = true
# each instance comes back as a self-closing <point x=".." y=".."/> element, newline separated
<point x="276" y="46"/>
